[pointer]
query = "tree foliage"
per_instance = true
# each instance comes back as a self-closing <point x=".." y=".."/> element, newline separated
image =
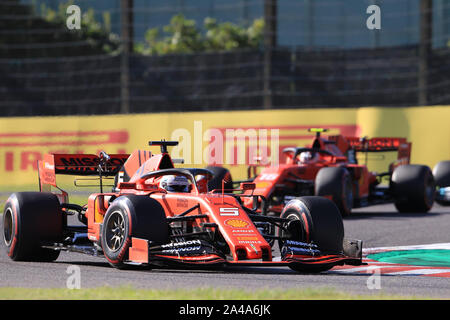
<point x="98" y="34"/>
<point x="183" y="36"/>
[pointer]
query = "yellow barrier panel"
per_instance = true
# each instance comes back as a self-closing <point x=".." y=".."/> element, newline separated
<point x="428" y="128"/>
<point x="23" y="141"/>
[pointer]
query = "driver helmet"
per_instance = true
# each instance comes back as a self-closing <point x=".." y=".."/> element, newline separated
<point x="306" y="156"/>
<point x="173" y="183"/>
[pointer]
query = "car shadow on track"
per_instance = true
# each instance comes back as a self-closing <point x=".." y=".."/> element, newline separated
<point x="355" y="215"/>
<point x="249" y="270"/>
<point x="100" y="263"/>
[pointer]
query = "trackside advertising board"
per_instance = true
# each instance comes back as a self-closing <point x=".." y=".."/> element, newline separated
<point x="232" y="139"/>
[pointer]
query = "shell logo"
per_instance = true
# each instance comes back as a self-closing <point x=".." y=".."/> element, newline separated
<point x="248" y="238"/>
<point x="237" y="223"/>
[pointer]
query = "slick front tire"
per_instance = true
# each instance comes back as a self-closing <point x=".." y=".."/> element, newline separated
<point x="337" y="183"/>
<point x="131" y="216"/>
<point x="29" y="219"/>
<point x="319" y="222"/>
<point x="413" y="188"/>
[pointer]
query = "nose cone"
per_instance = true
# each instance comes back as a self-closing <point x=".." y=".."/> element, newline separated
<point x="243" y="238"/>
<point x="246" y="238"/>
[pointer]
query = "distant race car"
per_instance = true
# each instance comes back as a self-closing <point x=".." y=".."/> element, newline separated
<point x="158" y="215"/>
<point x="329" y="168"/>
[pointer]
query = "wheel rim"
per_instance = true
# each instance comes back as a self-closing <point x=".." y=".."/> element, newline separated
<point x="301" y="232"/>
<point x="8" y="226"/>
<point x="115" y="231"/>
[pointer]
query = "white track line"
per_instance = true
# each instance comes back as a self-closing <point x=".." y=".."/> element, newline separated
<point x="419" y="272"/>
<point x="360" y="269"/>
<point x="367" y="251"/>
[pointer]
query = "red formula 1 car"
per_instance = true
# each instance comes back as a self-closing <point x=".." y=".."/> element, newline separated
<point x="329" y="168"/>
<point x="158" y="215"/>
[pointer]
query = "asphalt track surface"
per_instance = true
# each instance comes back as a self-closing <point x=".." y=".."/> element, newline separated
<point x="377" y="226"/>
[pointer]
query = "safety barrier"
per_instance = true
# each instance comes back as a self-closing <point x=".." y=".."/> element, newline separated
<point x="215" y="136"/>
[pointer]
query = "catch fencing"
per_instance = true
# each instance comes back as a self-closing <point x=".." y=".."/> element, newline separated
<point x="46" y="69"/>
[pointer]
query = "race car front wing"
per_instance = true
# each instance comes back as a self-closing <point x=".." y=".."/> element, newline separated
<point x="201" y="252"/>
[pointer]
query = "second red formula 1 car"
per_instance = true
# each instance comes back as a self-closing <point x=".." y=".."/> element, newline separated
<point x="329" y="168"/>
<point x="159" y="215"/>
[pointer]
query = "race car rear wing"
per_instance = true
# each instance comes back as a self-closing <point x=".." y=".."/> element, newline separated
<point x="381" y="144"/>
<point x="78" y="165"/>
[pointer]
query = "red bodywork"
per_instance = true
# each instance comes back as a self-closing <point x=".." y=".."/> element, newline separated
<point x="341" y="150"/>
<point x="245" y="242"/>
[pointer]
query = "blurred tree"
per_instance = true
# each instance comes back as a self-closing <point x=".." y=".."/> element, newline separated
<point x="27" y="31"/>
<point x="183" y="36"/>
<point x="97" y="33"/>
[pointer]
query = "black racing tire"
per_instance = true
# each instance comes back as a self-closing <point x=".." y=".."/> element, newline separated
<point x="441" y="173"/>
<point x="219" y="174"/>
<point x="320" y="222"/>
<point x="413" y="188"/>
<point x="131" y="216"/>
<point x="337" y="183"/>
<point x="30" y="218"/>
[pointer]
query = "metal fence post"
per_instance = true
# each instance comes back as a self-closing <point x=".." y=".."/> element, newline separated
<point x="126" y="32"/>
<point x="270" y="42"/>
<point x="425" y="46"/>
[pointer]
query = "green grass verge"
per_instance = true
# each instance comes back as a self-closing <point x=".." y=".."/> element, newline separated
<point x="130" y="293"/>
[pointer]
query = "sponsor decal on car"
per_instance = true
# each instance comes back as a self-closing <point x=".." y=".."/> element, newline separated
<point x="237" y="223"/>
<point x="262" y="185"/>
<point x="182" y="249"/>
<point x="183" y="203"/>
<point x="177" y="248"/>
<point x="301" y="244"/>
<point x="49" y="166"/>
<point x="247" y="238"/>
<point x="289" y="250"/>
<point x="249" y="242"/>
<point x="181" y="244"/>
<point x="229" y="211"/>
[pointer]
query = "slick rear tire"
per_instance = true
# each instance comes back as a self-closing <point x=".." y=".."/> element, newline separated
<point x="319" y="222"/>
<point x="30" y="218"/>
<point x="219" y="174"/>
<point x="131" y="216"/>
<point x="413" y="188"/>
<point x="337" y="183"/>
